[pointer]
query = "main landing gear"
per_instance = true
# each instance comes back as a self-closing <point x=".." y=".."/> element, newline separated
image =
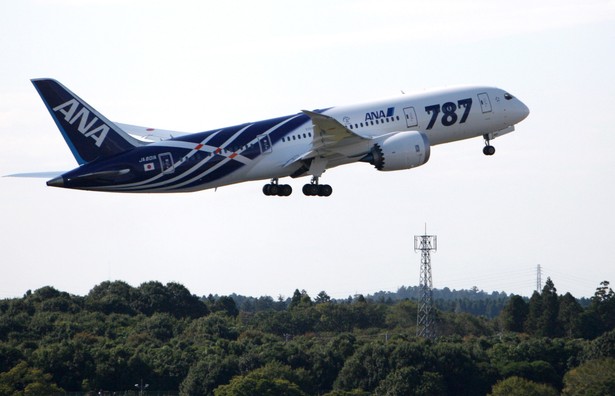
<point x="273" y="188"/>
<point x="313" y="189"/>
<point x="488" y="149"/>
<point x="284" y="190"/>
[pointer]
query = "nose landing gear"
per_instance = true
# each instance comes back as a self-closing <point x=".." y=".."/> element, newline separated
<point x="488" y="149"/>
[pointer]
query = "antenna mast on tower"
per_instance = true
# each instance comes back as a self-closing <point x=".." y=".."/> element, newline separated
<point x="425" y="321"/>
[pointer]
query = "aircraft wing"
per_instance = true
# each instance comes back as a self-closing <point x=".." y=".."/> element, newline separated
<point x="329" y="137"/>
<point x="329" y="132"/>
<point x="149" y="134"/>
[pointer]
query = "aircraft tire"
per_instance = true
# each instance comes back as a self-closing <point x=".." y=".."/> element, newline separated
<point x="285" y="190"/>
<point x="324" y="190"/>
<point x="488" y="150"/>
<point x="310" y="189"/>
<point x="267" y="189"/>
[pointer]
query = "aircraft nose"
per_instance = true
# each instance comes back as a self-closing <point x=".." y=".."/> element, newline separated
<point x="522" y="110"/>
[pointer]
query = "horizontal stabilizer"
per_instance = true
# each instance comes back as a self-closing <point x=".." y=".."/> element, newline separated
<point x="43" y="175"/>
<point x="150" y="134"/>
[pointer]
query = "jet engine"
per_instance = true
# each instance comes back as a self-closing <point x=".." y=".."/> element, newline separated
<point x="403" y="150"/>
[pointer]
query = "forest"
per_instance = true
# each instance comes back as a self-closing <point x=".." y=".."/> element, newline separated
<point x="162" y="340"/>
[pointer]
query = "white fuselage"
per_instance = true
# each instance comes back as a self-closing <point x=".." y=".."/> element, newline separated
<point x="489" y="114"/>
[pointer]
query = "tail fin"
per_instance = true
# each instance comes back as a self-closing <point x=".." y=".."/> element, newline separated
<point x="87" y="132"/>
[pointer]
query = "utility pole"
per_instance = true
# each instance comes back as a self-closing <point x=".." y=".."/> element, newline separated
<point x="425" y="320"/>
<point x="538" y="279"/>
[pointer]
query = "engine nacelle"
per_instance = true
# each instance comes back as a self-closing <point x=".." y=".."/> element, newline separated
<point x="403" y="150"/>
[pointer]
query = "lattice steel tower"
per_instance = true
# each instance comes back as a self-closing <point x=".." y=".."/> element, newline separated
<point x="425" y="326"/>
<point x="538" y="278"/>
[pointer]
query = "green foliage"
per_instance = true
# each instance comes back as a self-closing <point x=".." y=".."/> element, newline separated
<point x="515" y="386"/>
<point x="547" y="325"/>
<point x="514" y="314"/>
<point x="409" y="381"/>
<point x="271" y="380"/>
<point x="365" y="368"/>
<point x="594" y="377"/>
<point x="118" y="334"/>
<point x="25" y="380"/>
<point x="602" y="309"/>
<point x="537" y="371"/>
<point x="208" y="373"/>
<point x="149" y="298"/>
<point x="569" y="316"/>
<point x="601" y="347"/>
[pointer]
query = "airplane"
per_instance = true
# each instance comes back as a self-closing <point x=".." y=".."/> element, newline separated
<point x="393" y="134"/>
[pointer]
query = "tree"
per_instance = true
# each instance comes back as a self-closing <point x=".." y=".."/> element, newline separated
<point x="515" y="386"/>
<point x="534" y="312"/>
<point x="514" y="314"/>
<point x="227" y="305"/>
<point x="300" y="299"/>
<point x="322" y="298"/>
<point x="9" y="357"/>
<point x="25" y="380"/>
<point x="335" y="317"/>
<point x="184" y="304"/>
<point x="569" y="316"/>
<point x="537" y="371"/>
<point x="601" y="347"/>
<point x="409" y="381"/>
<point x="271" y="380"/>
<point x="459" y="369"/>
<point x="603" y="306"/>
<point x="402" y="314"/>
<point x="111" y="297"/>
<point x="547" y="323"/>
<point x="365" y="369"/>
<point x="594" y="377"/>
<point x="207" y="374"/>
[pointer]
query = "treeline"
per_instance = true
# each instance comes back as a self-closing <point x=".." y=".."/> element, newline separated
<point x="472" y="301"/>
<point x="52" y="342"/>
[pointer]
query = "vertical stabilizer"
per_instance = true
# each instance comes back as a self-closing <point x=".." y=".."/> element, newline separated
<point x="87" y="132"/>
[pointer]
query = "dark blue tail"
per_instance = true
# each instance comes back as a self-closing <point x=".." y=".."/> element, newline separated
<point x="87" y="132"/>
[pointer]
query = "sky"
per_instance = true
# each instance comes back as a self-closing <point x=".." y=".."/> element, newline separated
<point x="546" y="196"/>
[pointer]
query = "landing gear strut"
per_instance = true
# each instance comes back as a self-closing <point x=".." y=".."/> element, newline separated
<point x="313" y="189"/>
<point x="273" y="188"/>
<point x="488" y="149"/>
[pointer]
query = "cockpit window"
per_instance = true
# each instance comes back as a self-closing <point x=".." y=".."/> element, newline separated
<point x="508" y="96"/>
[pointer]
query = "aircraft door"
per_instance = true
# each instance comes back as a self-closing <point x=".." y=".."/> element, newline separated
<point x="264" y="143"/>
<point x="166" y="163"/>
<point x="485" y="104"/>
<point x="411" y="120"/>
